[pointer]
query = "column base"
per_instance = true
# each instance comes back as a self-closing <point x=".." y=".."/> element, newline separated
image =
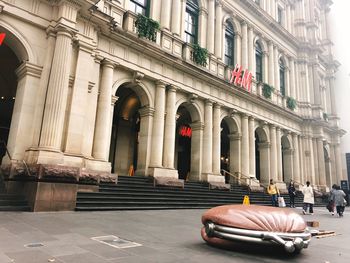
<point x="213" y="178"/>
<point x="322" y="188"/>
<point x="281" y="185"/>
<point x="163" y="172"/>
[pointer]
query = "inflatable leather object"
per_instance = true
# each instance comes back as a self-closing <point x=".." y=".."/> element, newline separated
<point x="255" y="224"/>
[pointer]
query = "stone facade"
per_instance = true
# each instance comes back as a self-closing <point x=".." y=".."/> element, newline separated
<point x="78" y="56"/>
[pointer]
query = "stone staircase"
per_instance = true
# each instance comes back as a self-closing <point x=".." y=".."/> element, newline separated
<point x="139" y="193"/>
<point x="9" y="202"/>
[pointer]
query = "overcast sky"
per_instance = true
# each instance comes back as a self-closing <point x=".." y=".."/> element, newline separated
<point x="340" y="22"/>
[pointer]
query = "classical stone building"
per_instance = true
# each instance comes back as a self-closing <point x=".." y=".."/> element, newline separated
<point x="80" y="89"/>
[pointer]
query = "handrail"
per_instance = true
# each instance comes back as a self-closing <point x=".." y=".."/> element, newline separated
<point x="243" y="178"/>
<point x="9" y="155"/>
<point x="232" y="175"/>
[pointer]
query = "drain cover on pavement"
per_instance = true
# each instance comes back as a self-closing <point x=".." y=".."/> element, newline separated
<point x="34" y="245"/>
<point x="116" y="242"/>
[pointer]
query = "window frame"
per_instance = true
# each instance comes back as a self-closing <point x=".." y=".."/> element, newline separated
<point x="282" y="75"/>
<point x="145" y="8"/>
<point x="279" y="15"/>
<point x="258" y="54"/>
<point x="229" y="36"/>
<point x="192" y="10"/>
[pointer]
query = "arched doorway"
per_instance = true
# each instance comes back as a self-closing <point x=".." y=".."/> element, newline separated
<point x="183" y="142"/>
<point x="123" y="153"/>
<point x="262" y="147"/>
<point x="287" y="159"/>
<point x="8" y="86"/>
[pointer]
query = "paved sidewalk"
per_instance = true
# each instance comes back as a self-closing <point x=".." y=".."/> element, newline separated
<point x="166" y="236"/>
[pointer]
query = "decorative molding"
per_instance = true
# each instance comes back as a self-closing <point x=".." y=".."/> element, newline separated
<point x="138" y="76"/>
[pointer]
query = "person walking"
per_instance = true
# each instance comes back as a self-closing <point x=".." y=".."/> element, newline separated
<point x="274" y="192"/>
<point x="292" y="193"/>
<point x="330" y="205"/>
<point x="309" y="200"/>
<point x="339" y="200"/>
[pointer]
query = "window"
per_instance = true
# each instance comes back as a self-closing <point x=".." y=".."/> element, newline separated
<point x="279" y="15"/>
<point x="139" y="6"/>
<point x="191" y="21"/>
<point x="258" y="61"/>
<point x="282" y="78"/>
<point x="257" y="2"/>
<point x="229" y="44"/>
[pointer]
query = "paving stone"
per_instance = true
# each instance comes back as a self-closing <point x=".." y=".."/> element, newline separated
<point x="32" y="256"/>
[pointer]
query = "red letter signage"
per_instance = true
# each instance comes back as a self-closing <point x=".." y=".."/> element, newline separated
<point x="241" y="78"/>
<point x="2" y="37"/>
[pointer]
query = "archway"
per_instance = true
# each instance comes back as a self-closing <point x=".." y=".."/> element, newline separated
<point x="287" y="159"/>
<point x="8" y="86"/>
<point x="189" y="132"/>
<point x="262" y="162"/>
<point x="123" y="153"/>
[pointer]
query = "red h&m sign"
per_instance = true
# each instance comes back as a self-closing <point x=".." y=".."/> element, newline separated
<point x="185" y="131"/>
<point x="2" y="37"/>
<point x="242" y="78"/>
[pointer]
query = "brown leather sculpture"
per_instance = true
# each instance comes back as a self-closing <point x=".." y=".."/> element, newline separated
<point x="255" y="224"/>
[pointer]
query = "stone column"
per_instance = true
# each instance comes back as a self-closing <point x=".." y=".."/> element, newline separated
<point x="273" y="153"/>
<point x="296" y="168"/>
<point x="245" y="145"/>
<point x="271" y="68"/>
<point x="176" y="17"/>
<point x="181" y="21"/>
<point x="101" y="143"/>
<point x="238" y="48"/>
<point x="273" y="8"/>
<point x="158" y="126"/>
<point x="338" y="163"/>
<point x="154" y="12"/>
<point x="78" y="109"/>
<point x="288" y="19"/>
<point x="218" y="30"/>
<point x="265" y="67"/>
<point x="144" y="156"/>
<point x="235" y="153"/>
<point x="268" y="6"/>
<point x="312" y="163"/>
<point x="287" y="81"/>
<point x="244" y="45"/>
<point x="276" y="69"/>
<point x="197" y="151"/>
<point x="166" y="13"/>
<point x="279" y="155"/>
<point x="252" y="147"/>
<point x="292" y="78"/>
<point x="332" y="100"/>
<point x="202" y="27"/>
<point x="170" y="129"/>
<point x="56" y="98"/>
<point x="211" y="26"/>
<point x="216" y="139"/>
<point x="251" y="51"/>
<point x="207" y="138"/>
<point x="317" y="174"/>
<point x="301" y="158"/>
<point x="321" y="163"/>
<point x="288" y="164"/>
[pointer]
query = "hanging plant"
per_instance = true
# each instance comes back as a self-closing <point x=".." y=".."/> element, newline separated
<point x="146" y="27"/>
<point x="267" y="91"/>
<point x="291" y="103"/>
<point x="200" y="55"/>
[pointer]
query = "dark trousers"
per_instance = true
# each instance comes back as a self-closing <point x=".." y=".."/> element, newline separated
<point x="340" y="209"/>
<point x="311" y="207"/>
<point x="274" y="200"/>
<point x="291" y="200"/>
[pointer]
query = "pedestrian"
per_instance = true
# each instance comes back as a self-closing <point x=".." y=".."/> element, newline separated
<point x="292" y="193"/>
<point x="309" y="200"/>
<point x="339" y="200"/>
<point x="330" y="205"/>
<point x="274" y="192"/>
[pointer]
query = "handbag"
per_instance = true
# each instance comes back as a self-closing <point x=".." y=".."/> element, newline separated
<point x="281" y="202"/>
<point x="330" y="206"/>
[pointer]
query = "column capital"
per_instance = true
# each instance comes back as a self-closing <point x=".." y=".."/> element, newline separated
<point x="264" y="145"/>
<point x="272" y="126"/>
<point x="217" y="105"/>
<point x="114" y="100"/>
<point x="197" y="126"/>
<point x="244" y="115"/>
<point x="235" y="136"/>
<point x="161" y="84"/>
<point x="209" y="102"/>
<point x="108" y="63"/>
<point x="146" y="111"/>
<point x="172" y="88"/>
<point x="251" y="117"/>
<point x="219" y="3"/>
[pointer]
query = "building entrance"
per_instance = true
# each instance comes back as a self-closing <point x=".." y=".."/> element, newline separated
<point x="8" y="85"/>
<point x="125" y="132"/>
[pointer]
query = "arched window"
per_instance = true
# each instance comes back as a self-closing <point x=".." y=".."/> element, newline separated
<point x="139" y="6"/>
<point x="258" y="61"/>
<point x="282" y="78"/>
<point x="229" y="44"/>
<point x="191" y="21"/>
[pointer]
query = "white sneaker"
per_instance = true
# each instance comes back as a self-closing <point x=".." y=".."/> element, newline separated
<point x="304" y="213"/>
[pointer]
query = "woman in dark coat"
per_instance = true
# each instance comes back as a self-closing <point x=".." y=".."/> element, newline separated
<point x="292" y="193"/>
<point x="338" y="196"/>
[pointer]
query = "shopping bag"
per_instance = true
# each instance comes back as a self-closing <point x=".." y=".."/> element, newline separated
<point x="330" y="206"/>
<point x="281" y="202"/>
